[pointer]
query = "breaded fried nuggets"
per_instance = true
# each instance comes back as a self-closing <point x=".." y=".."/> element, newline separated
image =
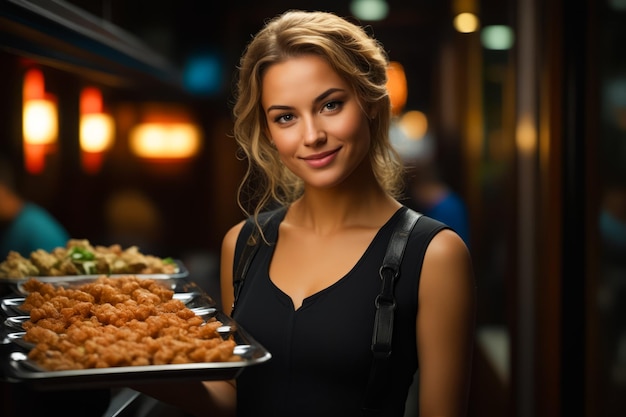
<point x="123" y="321"/>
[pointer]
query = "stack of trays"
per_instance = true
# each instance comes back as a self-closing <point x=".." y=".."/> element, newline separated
<point x="15" y="366"/>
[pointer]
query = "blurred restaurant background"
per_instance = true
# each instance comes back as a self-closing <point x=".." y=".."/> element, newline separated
<point x="523" y="103"/>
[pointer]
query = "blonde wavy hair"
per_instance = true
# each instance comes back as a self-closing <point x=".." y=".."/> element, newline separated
<point x="357" y="57"/>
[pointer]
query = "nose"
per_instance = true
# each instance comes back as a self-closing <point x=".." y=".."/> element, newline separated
<point x="314" y="133"/>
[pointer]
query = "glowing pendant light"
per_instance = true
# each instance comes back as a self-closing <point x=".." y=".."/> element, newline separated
<point x="39" y="121"/>
<point x="96" y="130"/>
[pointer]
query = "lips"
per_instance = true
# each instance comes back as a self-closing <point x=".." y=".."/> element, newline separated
<point x="321" y="159"/>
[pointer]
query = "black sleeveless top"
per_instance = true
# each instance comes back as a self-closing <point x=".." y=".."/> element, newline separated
<point x="321" y="355"/>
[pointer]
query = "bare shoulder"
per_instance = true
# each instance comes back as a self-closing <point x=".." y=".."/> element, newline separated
<point x="447" y="266"/>
<point x="227" y="259"/>
<point x="447" y="244"/>
<point x="230" y="238"/>
<point x="228" y="245"/>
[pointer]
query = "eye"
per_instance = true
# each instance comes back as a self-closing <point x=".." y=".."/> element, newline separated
<point x="283" y="118"/>
<point x="332" y="106"/>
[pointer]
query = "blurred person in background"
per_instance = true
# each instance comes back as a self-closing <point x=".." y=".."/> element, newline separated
<point x="426" y="191"/>
<point x="24" y="228"/>
<point x="24" y="225"/>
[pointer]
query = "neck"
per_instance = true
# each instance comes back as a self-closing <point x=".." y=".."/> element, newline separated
<point x="362" y="204"/>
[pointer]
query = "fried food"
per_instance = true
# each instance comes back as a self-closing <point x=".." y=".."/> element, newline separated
<point x="122" y="321"/>
<point x="80" y="257"/>
<point x="17" y="266"/>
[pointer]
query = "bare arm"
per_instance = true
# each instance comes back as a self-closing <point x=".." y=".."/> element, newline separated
<point x="209" y="398"/>
<point x="226" y="270"/>
<point x="445" y="327"/>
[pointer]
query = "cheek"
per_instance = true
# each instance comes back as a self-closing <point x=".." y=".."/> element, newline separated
<point x="359" y="131"/>
<point x="285" y="142"/>
<point x="281" y="138"/>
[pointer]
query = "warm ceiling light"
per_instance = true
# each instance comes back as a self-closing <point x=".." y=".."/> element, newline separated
<point x="96" y="132"/>
<point x="414" y="124"/>
<point x="397" y="87"/>
<point x="166" y="132"/>
<point x="165" y="140"/>
<point x="466" y="22"/>
<point x="96" y="126"/>
<point x="409" y="136"/>
<point x="96" y="129"/>
<point x="39" y="121"/>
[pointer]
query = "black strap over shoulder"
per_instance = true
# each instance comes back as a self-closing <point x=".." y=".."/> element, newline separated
<point x="385" y="308"/>
<point x="385" y="301"/>
<point x="249" y="251"/>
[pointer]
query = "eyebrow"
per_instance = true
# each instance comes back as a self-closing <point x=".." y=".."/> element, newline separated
<point x="317" y="100"/>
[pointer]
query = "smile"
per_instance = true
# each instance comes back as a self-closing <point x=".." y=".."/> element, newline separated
<point x="322" y="159"/>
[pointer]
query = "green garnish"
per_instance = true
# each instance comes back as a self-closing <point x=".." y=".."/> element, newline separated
<point x="80" y="254"/>
<point x="89" y="267"/>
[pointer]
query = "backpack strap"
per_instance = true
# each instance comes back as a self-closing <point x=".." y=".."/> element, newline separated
<point x="249" y="251"/>
<point x="385" y="307"/>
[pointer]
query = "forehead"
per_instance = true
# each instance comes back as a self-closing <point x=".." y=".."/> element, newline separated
<point x="300" y="77"/>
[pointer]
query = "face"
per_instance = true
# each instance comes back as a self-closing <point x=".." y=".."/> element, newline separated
<point x="315" y="121"/>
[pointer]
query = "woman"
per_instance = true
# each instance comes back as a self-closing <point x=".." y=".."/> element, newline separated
<point x="312" y="115"/>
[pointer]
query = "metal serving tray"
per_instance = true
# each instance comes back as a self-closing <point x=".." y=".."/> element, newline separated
<point x="181" y="272"/>
<point x="15" y="366"/>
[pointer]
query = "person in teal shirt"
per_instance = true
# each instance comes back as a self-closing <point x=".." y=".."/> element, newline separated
<point x="24" y="225"/>
<point x="24" y="228"/>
